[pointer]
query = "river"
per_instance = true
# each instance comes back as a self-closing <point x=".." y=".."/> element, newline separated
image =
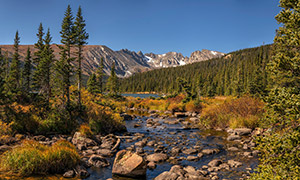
<point x="175" y="135"/>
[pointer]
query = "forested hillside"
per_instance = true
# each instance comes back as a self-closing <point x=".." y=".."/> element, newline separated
<point x="238" y="72"/>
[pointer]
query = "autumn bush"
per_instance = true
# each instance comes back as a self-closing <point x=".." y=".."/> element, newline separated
<point x="242" y="112"/>
<point x="32" y="158"/>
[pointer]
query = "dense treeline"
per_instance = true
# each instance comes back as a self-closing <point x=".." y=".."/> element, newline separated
<point x="236" y="73"/>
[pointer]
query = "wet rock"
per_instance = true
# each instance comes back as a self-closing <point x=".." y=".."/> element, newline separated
<point x="151" y="143"/>
<point x="82" y="172"/>
<point x="88" y="152"/>
<point x="194" y="120"/>
<point x="136" y="125"/>
<point x="233" y="149"/>
<point x="215" y="163"/>
<point x="157" y="157"/>
<point x="129" y="164"/>
<point x="98" y="161"/>
<point x="192" y="158"/>
<point x="151" y="165"/>
<point x="167" y="176"/>
<point x="210" y="151"/>
<point x="139" y="150"/>
<point x="242" y="131"/>
<point x="69" y="174"/>
<point x="200" y="155"/>
<point x="78" y="138"/>
<point x="175" y="151"/>
<point x="105" y="152"/>
<point x="141" y="143"/>
<point x="233" y="163"/>
<point x="177" y="170"/>
<point x="191" y="170"/>
<point x="81" y="147"/>
<point x="190" y="151"/>
<point x="179" y="114"/>
<point x="233" y="137"/>
<point x="39" y="138"/>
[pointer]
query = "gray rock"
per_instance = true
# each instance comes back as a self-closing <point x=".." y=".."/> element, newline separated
<point x="233" y="137"/>
<point x="98" y="161"/>
<point x="215" y="163"/>
<point x="190" y="151"/>
<point x="105" y="152"/>
<point x="167" y="176"/>
<point x="233" y="149"/>
<point x="157" y="157"/>
<point x="242" y="131"/>
<point x="192" y="158"/>
<point x="233" y="163"/>
<point x="210" y="151"/>
<point x="69" y="174"/>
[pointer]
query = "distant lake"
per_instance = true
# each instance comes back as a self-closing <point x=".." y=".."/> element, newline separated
<point x="141" y="95"/>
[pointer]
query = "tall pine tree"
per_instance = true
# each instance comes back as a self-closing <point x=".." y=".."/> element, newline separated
<point x="67" y="39"/>
<point x="27" y="72"/>
<point x="280" y="149"/>
<point x="112" y="82"/>
<point x="13" y="80"/>
<point x="80" y="40"/>
<point x="39" y="45"/>
<point x="100" y="75"/>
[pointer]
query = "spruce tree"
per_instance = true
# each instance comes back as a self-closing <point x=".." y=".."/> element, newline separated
<point x="39" y="45"/>
<point x="27" y="72"/>
<point x="2" y="77"/>
<point x="13" y="80"/>
<point x="92" y="84"/>
<point x="67" y="39"/>
<point x="280" y="150"/>
<point x="100" y="75"/>
<point x="112" y="82"/>
<point x="45" y="67"/>
<point x="80" y="40"/>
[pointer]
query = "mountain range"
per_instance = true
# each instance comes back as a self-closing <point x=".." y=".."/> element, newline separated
<point x="127" y="62"/>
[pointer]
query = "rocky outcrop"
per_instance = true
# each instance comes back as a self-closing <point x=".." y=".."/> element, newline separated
<point x="129" y="164"/>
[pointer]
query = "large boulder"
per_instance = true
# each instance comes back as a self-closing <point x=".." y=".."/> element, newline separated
<point x="129" y="164"/>
<point x="157" y="157"/>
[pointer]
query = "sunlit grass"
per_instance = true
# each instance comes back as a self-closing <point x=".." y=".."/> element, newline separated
<point x="32" y="157"/>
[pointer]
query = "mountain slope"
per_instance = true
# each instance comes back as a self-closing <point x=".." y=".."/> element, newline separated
<point x="232" y="74"/>
<point x="127" y="62"/>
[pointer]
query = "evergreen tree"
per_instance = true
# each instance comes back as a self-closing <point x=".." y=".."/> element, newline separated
<point x="27" y="72"/>
<point x="45" y="67"/>
<point x="67" y="39"/>
<point x="39" y="45"/>
<point x="92" y="84"/>
<point x="2" y="77"/>
<point x="13" y="80"/>
<point x="100" y="76"/>
<point x="280" y="150"/>
<point x="112" y="82"/>
<point x="80" y="40"/>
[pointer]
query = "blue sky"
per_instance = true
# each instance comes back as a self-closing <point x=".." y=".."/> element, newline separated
<point x="157" y="26"/>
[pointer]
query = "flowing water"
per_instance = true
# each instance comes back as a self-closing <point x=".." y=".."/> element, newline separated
<point x="175" y="135"/>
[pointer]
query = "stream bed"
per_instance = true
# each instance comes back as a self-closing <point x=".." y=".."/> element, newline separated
<point x="169" y="133"/>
